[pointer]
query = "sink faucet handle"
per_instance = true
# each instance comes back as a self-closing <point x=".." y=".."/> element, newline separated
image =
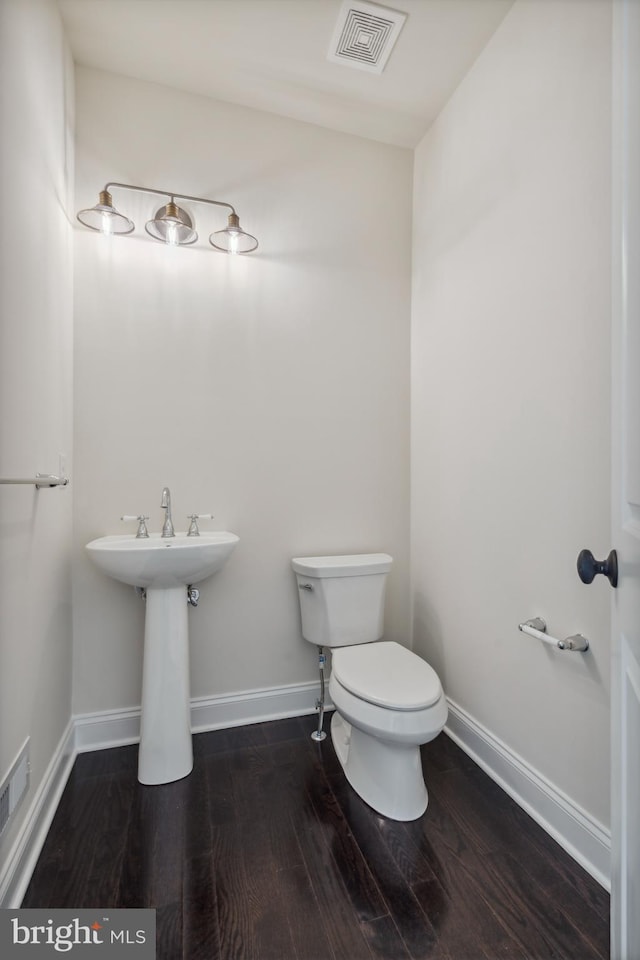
<point x="193" y="526"/>
<point x="142" y="526"/>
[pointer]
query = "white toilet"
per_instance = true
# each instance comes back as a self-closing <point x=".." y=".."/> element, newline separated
<point x="388" y="700"/>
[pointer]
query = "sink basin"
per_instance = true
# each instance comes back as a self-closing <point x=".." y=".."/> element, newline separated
<point x="164" y="567"/>
<point x="162" y="562"/>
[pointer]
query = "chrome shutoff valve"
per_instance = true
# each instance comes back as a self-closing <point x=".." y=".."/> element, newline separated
<point x="193" y="526"/>
<point x="193" y="595"/>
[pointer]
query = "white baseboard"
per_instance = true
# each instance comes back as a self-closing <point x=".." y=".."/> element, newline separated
<point x="115" y="728"/>
<point x="23" y="855"/>
<point x="586" y="840"/>
<point x="255" y="706"/>
<point x="108" y="728"/>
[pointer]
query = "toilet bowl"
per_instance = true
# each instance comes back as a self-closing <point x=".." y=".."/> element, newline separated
<point x="388" y="700"/>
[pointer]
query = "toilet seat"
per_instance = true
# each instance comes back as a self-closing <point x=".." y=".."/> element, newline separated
<point x="386" y="674"/>
<point x="392" y="726"/>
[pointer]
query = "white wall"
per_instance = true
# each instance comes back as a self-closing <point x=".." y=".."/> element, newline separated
<point x="36" y="116"/>
<point x="271" y="390"/>
<point x="510" y="395"/>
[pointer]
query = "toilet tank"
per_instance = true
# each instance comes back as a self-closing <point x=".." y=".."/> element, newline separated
<point x="342" y="598"/>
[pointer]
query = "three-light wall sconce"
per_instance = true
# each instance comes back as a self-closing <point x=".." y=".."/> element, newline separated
<point x="170" y="223"/>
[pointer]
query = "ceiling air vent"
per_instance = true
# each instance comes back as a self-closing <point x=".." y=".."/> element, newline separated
<point x="365" y="35"/>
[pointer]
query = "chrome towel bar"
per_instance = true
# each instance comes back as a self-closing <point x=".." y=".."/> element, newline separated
<point x="537" y="628"/>
<point x="40" y="480"/>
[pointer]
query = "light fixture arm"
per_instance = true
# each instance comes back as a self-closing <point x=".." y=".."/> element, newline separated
<point x="170" y="194"/>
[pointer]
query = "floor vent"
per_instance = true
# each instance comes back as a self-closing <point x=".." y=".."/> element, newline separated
<point x="14" y="786"/>
<point x="365" y="35"/>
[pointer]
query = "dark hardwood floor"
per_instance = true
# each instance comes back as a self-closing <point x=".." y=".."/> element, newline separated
<point x="265" y="853"/>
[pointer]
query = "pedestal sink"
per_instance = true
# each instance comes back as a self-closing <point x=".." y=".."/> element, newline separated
<point x="164" y="567"/>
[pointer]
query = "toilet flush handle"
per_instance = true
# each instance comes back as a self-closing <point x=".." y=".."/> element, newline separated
<point x="305" y="586"/>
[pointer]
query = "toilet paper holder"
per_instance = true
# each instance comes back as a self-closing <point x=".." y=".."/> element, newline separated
<point x="536" y="627"/>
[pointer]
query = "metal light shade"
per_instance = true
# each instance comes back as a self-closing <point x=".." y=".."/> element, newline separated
<point x="172" y="225"/>
<point x="105" y="218"/>
<point x="233" y="239"/>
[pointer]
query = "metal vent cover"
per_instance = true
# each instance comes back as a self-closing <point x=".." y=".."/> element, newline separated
<point x="365" y="35"/>
<point x="14" y="786"/>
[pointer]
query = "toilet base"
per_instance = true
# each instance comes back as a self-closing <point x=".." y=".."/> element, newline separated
<point x="386" y="776"/>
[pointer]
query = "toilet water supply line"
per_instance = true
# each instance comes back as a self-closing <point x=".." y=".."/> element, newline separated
<point x="319" y="734"/>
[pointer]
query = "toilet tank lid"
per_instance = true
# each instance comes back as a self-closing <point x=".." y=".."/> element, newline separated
<point x="355" y="565"/>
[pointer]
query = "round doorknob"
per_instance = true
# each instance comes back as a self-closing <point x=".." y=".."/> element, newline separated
<point x="589" y="567"/>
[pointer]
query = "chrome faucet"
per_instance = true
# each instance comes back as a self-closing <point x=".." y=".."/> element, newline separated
<point x="167" y="526"/>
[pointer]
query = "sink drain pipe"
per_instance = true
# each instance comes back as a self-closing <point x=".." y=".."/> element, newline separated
<point x="319" y="734"/>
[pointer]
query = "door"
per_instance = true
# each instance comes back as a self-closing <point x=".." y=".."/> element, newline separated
<point x="625" y="819"/>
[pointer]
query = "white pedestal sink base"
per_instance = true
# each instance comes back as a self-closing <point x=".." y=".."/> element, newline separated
<point x="166" y="751"/>
<point x="164" y="567"/>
